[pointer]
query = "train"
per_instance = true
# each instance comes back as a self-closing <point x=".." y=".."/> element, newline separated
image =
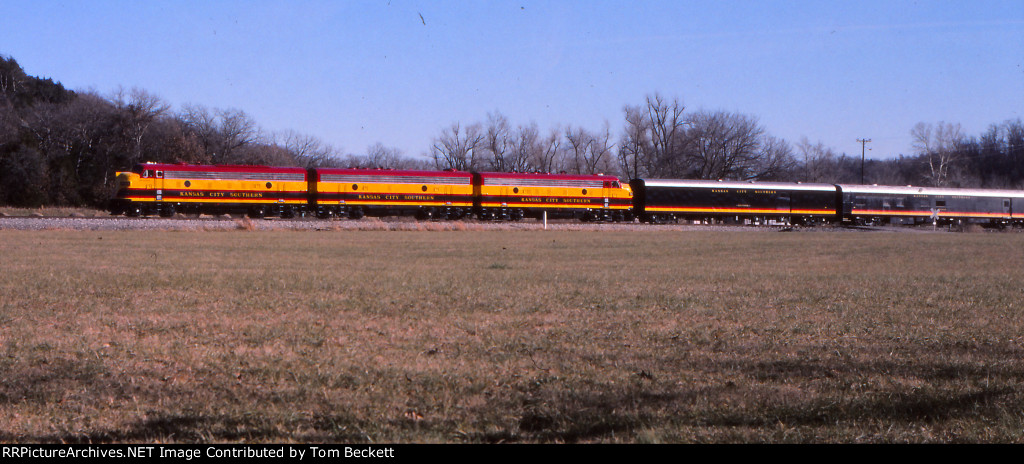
<point x="287" y="192"/>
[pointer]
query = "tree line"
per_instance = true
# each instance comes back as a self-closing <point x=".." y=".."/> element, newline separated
<point x="660" y="139"/>
<point x="62" y="147"/>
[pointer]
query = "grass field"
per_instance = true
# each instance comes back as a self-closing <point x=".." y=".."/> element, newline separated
<point x="511" y="337"/>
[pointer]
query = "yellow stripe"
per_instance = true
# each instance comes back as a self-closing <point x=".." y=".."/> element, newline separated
<point x="549" y="205"/>
<point x="390" y="203"/>
<point x="814" y="211"/>
<point x="719" y="210"/>
<point x="238" y="200"/>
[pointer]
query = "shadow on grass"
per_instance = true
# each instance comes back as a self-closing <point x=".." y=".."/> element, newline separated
<point x="584" y="417"/>
<point x="206" y="429"/>
<point x="787" y="370"/>
<point x="892" y="407"/>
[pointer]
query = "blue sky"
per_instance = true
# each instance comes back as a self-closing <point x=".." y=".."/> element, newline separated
<point x="354" y="73"/>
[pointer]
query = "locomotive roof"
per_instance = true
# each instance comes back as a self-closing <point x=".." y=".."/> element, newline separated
<point x="941" y="191"/>
<point x="524" y="179"/>
<point x="709" y="184"/>
<point x="215" y="168"/>
<point x="545" y="175"/>
<point x="391" y="172"/>
<point x="391" y="176"/>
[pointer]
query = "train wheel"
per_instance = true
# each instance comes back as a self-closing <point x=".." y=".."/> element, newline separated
<point x="167" y="210"/>
<point x="257" y="212"/>
<point x="356" y="213"/>
<point x="133" y="211"/>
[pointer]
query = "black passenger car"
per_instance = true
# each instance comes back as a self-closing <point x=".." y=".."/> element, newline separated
<point x="659" y="200"/>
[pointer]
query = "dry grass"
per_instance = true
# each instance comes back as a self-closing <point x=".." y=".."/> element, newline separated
<point x="52" y="211"/>
<point x="511" y="337"/>
<point x="245" y="224"/>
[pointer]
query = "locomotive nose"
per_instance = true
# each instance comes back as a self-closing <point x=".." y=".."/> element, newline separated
<point x="124" y="179"/>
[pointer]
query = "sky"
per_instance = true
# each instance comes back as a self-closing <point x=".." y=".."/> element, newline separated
<point x="397" y="72"/>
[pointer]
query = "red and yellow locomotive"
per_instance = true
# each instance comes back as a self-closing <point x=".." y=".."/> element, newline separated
<point x="166" y="189"/>
<point x="356" y="193"/>
<point x="504" y="195"/>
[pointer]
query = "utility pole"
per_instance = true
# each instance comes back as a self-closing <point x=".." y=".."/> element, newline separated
<point x="862" y="142"/>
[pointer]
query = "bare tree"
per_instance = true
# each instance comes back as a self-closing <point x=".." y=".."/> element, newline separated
<point x="138" y="109"/>
<point x="774" y="161"/>
<point x="579" y="141"/>
<point x="265" y="154"/>
<point x="379" y="156"/>
<point x="307" y="150"/>
<point x="183" y="145"/>
<point x="1014" y="143"/>
<point x="655" y="139"/>
<point x="201" y="124"/>
<point x="589" y="152"/>
<point x="458" y="147"/>
<point x="635" y="144"/>
<point x="601" y="148"/>
<point x="940" y="145"/>
<point x="496" y="141"/>
<point x="819" y="162"/>
<point x="549" y="159"/>
<point x="237" y="130"/>
<point x="526" y="149"/>
<point x="726" y="145"/>
<point x="666" y="124"/>
<point x="222" y="133"/>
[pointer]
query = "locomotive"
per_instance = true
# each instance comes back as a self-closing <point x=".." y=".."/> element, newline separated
<point x="261" y="191"/>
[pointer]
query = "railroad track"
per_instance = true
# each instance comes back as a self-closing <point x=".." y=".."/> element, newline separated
<point x="220" y="223"/>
